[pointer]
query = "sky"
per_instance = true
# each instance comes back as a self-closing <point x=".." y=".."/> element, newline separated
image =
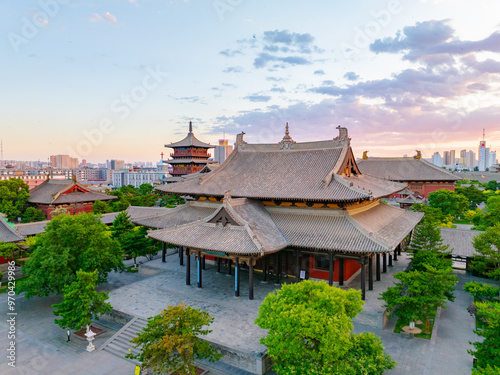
<point x="119" y="79"/>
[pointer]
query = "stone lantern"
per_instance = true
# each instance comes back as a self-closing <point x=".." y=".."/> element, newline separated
<point x="90" y="336"/>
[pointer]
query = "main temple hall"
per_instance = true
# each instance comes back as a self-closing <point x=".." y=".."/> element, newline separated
<point x="286" y="210"/>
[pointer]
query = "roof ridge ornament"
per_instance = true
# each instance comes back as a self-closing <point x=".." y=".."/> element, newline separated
<point x="343" y="134"/>
<point x="419" y="154"/>
<point x="239" y="139"/>
<point x="190" y="126"/>
<point x="287" y="141"/>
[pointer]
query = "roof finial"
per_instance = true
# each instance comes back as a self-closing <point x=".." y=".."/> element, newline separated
<point x="190" y="127"/>
<point x="227" y="196"/>
<point x="287" y="141"/>
<point x="74" y="177"/>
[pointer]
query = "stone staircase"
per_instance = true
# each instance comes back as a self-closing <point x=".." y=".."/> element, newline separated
<point x="119" y="344"/>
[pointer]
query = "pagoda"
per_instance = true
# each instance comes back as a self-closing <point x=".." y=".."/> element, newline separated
<point x="190" y="154"/>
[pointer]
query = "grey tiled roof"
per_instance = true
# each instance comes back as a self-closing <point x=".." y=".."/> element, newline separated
<point x="404" y="169"/>
<point x="169" y="217"/>
<point x="307" y="172"/>
<point x="7" y="233"/>
<point x="387" y="223"/>
<point x="460" y="241"/>
<point x="50" y="192"/>
<point x="190" y="140"/>
<point x="30" y="229"/>
<point x="254" y="233"/>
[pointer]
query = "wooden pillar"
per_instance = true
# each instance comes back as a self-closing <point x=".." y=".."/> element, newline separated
<point x="390" y="260"/>
<point x="229" y="261"/>
<point x="250" y="279"/>
<point x="384" y="263"/>
<point x="330" y="269"/>
<point x="199" y="274"/>
<point x="278" y="261"/>
<point x="363" y="279"/>
<point x="341" y="271"/>
<point x="181" y="256"/>
<point x="399" y="249"/>
<point x="203" y="262"/>
<point x="297" y="265"/>
<point x="264" y="268"/>
<point x="237" y="278"/>
<point x="188" y="267"/>
<point x="377" y="268"/>
<point x="396" y="254"/>
<point x="163" y="252"/>
<point x="370" y="272"/>
<point x="219" y="261"/>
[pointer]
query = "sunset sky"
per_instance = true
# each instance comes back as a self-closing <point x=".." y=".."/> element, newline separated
<point x="119" y="79"/>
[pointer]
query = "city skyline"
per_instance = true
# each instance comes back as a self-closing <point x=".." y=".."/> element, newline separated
<point x="85" y="79"/>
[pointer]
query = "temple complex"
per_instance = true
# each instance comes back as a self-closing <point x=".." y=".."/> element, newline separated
<point x="68" y="194"/>
<point x="190" y="155"/>
<point x="294" y="210"/>
<point x="421" y="176"/>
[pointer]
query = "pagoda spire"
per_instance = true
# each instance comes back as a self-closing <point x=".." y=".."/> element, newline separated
<point x="287" y="141"/>
<point x="190" y="127"/>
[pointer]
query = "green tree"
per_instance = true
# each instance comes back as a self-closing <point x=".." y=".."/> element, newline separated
<point x="473" y="195"/>
<point x="82" y="303"/>
<point x="487" y="245"/>
<point x="70" y="244"/>
<point x="135" y="243"/>
<point x="427" y="237"/>
<point x="492" y="185"/>
<point x="101" y="207"/>
<point x="481" y="292"/>
<point x="488" y="370"/>
<point x="33" y="214"/>
<point x="488" y="351"/>
<point x="449" y="202"/>
<point x="310" y="332"/>
<point x="431" y="213"/>
<point x="418" y="294"/>
<point x="490" y="215"/>
<point x="171" y="200"/>
<point x="121" y="225"/>
<point x="14" y="196"/>
<point x="146" y="189"/>
<point x="7" y="250"/>
<point x="171" y="341"/>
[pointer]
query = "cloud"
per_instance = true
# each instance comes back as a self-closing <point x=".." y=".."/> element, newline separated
<point x="230" y="53"/>
<point x="43" y="21"/>
<point x="351" y="76"/>
<point x="319" y="72"/>
<point x="433" y="42"/>
<point x="233" y="69"/>
<point x="277" y="89"/>
<point x="189" y="99"/>
<point x="296" y="41"/>
<point x="258" y="98"/>
<point x="264" y="58"/>
<point x="108" y="17"/>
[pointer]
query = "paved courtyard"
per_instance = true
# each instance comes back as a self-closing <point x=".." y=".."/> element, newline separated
<point x="42" y="346"/>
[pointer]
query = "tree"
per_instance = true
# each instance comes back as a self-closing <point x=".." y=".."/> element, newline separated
<point x="488" y="370"/>
<point x="146" y="189"/>
<point x="171" y="341"/>
<point x="135" y="243"/>
<point x="473" y="195"/>
<point x="492" y="185"/>
<point x="427" y="237"/>
<point x="7" y="250"/>
<point x="32" y="215"/>
<point x="121" y="225"/>
<point x="488" y="351"/>
<point x="82" y="303"/>
<point x="70" y="243"/>
<point x="481" y="292"/>
<point x="490" y="215"/>
<point x="469" y="215"/>
<point x="419" y="293"/>
<point x="449" y="202"/>
<point x="431" y="213"/>
<point x="171" y="201"/>
<point x="14" y="196"/>
<point x="310" y="332"/>
<point x="101" y="207"/>
<point x="487" y="245"/>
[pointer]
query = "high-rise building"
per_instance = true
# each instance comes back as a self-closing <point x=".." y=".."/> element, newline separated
<point x="63" y="162"/>
<point x="446" y="158"/>
<point x="117" y="164"/>
<point x="483" y="156"/>
<point x="437" y="160"/>
<point x="222" y="151"/>
<point x="470" y="159"/>
<point x="452" y="158"/>
<point x="492" y="159"/>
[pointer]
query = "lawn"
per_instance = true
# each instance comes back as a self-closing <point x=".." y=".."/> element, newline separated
<point x="423" y="335"/>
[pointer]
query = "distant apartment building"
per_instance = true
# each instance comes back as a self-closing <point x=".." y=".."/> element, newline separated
<point x="91" y="174"/>
<point x="452" y="158"/>
<point x="483" y="156"/>
<point x="222" y="151"/>
<point x="446" y="158"/>
<point x="137" y="178"/>
<point x="437" y="160"/>
<point x="34" y="177"/>
<point x="116" y="164"/>
<point x="63" y="162"/>
<point x="492" y="159"/>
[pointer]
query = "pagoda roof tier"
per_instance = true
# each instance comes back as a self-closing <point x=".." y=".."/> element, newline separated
<point x="190" y="141"/>
<point x="405" y="169"/>
<point x="322" y="171"/>
<point x="65" y="192"/>
<point x="247" y="227"/>
<point x="187" y="160"/>
<point x="8" y="233"/>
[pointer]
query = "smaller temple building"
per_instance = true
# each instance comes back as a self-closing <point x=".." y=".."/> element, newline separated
<point x="190" y="154"/>
<point x="421" y="176"/>
<point x="68" y="194"/>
